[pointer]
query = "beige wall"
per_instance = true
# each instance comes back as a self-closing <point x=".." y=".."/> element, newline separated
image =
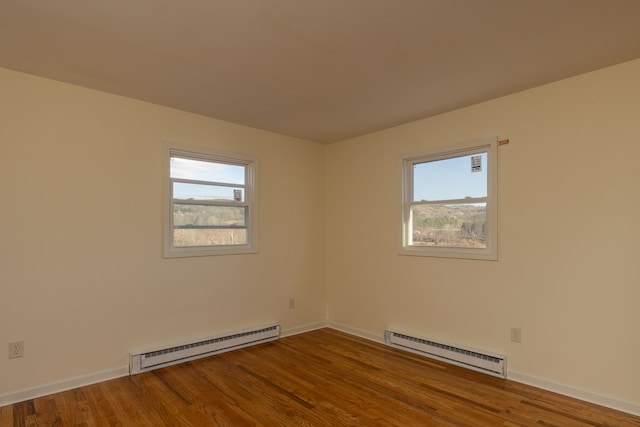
<point x="568" y="272"/>
<point x="82" y="276"/>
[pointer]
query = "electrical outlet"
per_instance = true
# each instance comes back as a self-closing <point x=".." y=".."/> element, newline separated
<point x="292" y="303"/>
<point x="16" y="349"/>
<point x="516" y="335"/>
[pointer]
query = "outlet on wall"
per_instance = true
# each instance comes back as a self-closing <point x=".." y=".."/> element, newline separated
<point x="292" y="303"/>
<point x="16" y="349"/>
<point x="516" y="335"/>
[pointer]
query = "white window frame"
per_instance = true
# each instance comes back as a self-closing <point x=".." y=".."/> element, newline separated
<point x="486" y="145"/>
<point x="251" y="201"/>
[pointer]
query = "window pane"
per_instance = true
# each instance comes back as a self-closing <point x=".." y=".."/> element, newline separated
<point x="202" y="170"/>
<point x="203" y="216"/>
<point x="186" y="191"/>
<point x="450" y="179"/>
<point x="456" y="226"/>
<point x="207" y="237"/>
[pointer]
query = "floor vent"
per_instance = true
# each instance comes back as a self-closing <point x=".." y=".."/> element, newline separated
<point x="488" y="363"/>
<point x="160" y="358"/>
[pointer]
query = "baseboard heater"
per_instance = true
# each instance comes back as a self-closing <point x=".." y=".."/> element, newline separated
<point x="160" y="358"/>
<point x="488" y="363"/>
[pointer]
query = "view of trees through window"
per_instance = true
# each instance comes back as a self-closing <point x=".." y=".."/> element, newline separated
<point x="205" y="225"/>
<point x="461" y="226"/>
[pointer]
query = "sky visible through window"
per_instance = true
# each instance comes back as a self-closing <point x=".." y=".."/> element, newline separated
<point x="199" y="170"/>
<point x="450" y="179"/>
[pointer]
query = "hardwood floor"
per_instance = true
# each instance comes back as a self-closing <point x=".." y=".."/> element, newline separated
<point x="320" y="378"/>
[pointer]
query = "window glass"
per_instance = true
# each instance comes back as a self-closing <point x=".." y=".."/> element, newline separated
<point x="189" y="191"/>
<point x="454" y="226"/>
<point x="200" y="170"/>
<point x="448" y="179"/>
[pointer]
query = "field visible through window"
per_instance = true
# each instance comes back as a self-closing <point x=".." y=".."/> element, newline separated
<point x="459" y="226"/>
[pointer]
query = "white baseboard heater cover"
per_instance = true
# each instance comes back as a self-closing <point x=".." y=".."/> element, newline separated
<point x="160" y="358"/>
<point x="481" y="361"/>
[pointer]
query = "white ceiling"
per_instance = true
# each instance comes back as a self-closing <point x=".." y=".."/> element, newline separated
<point x="322" y="70"/>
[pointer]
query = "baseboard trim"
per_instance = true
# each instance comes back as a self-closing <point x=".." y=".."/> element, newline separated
<point x="302" y="329"/>
<point x="357" y="332"/>
<point x="587" y="396"/>
<point x="57" y="387"/>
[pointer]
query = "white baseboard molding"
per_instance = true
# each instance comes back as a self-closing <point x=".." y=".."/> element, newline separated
<point x="357" y="332"/>
<point x="587" y="396"/>
<point x="57" y="387"/>
<point x="302" y="329"/>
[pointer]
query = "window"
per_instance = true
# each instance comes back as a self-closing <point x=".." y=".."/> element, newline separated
<point x="211" y="203"/>
<point x="450" y="202"/>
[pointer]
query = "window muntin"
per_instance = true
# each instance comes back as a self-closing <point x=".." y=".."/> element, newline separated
<point x="211" y="206"/>
<point x="449" y="203"/>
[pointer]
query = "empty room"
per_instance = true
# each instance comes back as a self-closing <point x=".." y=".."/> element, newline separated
<point x="320" y="213"/>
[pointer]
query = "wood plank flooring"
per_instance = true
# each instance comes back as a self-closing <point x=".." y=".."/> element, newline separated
<point x="320" y="378"/>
